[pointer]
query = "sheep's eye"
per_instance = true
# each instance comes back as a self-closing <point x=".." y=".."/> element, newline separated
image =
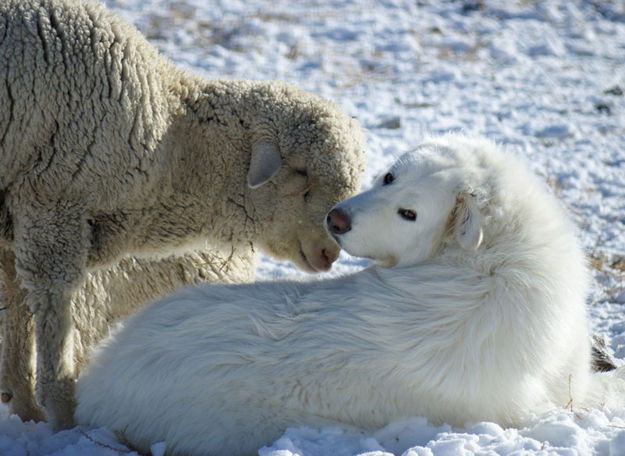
<point x="407" y="214"/>
<point x="307" y="195"/>
<point x="388" y="178"/>
<point x="302" y="172"/>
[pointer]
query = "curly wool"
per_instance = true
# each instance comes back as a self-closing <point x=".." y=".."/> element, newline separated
<point x="109" y="150"/>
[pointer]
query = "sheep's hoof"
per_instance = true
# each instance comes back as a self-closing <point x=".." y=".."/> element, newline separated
<point x="5" y="397"/>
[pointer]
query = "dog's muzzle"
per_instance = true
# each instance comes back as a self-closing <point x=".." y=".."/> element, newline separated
<point x="338" y="222"/>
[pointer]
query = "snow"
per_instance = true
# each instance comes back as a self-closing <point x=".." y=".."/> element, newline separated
<point x="543" y="78"/>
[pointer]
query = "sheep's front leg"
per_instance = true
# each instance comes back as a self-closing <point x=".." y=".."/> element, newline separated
<point x="51" y="247"/>
<point x="17" y="368"/>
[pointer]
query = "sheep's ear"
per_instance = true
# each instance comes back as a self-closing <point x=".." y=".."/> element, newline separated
<point x="467" y="223"/>
<point x="264" y="164"/>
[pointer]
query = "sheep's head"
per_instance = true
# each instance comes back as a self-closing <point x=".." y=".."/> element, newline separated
<point x="424" y="201"/>
<point x="303" y="162"/>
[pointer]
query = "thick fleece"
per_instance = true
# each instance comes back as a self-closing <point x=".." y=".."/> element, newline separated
<point x="109" y="150"/>
<point x="107" y="295"/>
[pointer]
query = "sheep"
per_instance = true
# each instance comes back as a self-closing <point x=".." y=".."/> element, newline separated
<point x="473" y="310"/>
<point x="109" y="151"/>
<point x="107" y="296"/>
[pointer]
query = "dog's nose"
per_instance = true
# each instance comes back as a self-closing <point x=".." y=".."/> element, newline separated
<point x="338" y="221"/>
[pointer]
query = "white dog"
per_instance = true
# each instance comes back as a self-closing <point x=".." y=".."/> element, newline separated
<point x="475" y="311"/>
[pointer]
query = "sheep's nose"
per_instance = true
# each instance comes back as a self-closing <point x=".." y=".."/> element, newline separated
<point x="338" y="221"/>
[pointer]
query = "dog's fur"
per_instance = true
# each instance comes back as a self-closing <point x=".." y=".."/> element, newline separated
<point x="476" y="312"/>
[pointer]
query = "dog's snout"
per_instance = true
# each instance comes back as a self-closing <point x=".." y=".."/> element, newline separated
<point x="338" y="221"/>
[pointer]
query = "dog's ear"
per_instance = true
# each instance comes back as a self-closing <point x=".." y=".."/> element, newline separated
<point x="264" y="163"/>
<point x="467" y="222"/>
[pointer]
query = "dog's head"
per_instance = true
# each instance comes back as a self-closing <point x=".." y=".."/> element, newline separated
<point x="424" y="200"/>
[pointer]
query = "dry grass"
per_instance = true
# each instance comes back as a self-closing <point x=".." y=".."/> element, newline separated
<point x="608" y="269"/>
<point x="611" y="270"/>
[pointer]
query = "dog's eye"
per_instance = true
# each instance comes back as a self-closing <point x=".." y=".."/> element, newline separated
<point x="407" y="214"/>
<point x="388" y="178"/>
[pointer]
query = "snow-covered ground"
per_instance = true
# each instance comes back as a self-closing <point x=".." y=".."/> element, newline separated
<point x="544" y="78"/>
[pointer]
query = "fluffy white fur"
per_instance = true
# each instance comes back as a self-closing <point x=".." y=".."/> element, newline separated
<point x="481" y="317"/>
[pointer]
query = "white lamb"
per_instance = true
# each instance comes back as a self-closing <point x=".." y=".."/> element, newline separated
<point x="108" y="150"/>
<point x="475" y="311"/>
<point x="108" y="295"/>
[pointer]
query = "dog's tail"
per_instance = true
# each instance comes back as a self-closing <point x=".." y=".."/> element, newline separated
<point x="606" y="390"/>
